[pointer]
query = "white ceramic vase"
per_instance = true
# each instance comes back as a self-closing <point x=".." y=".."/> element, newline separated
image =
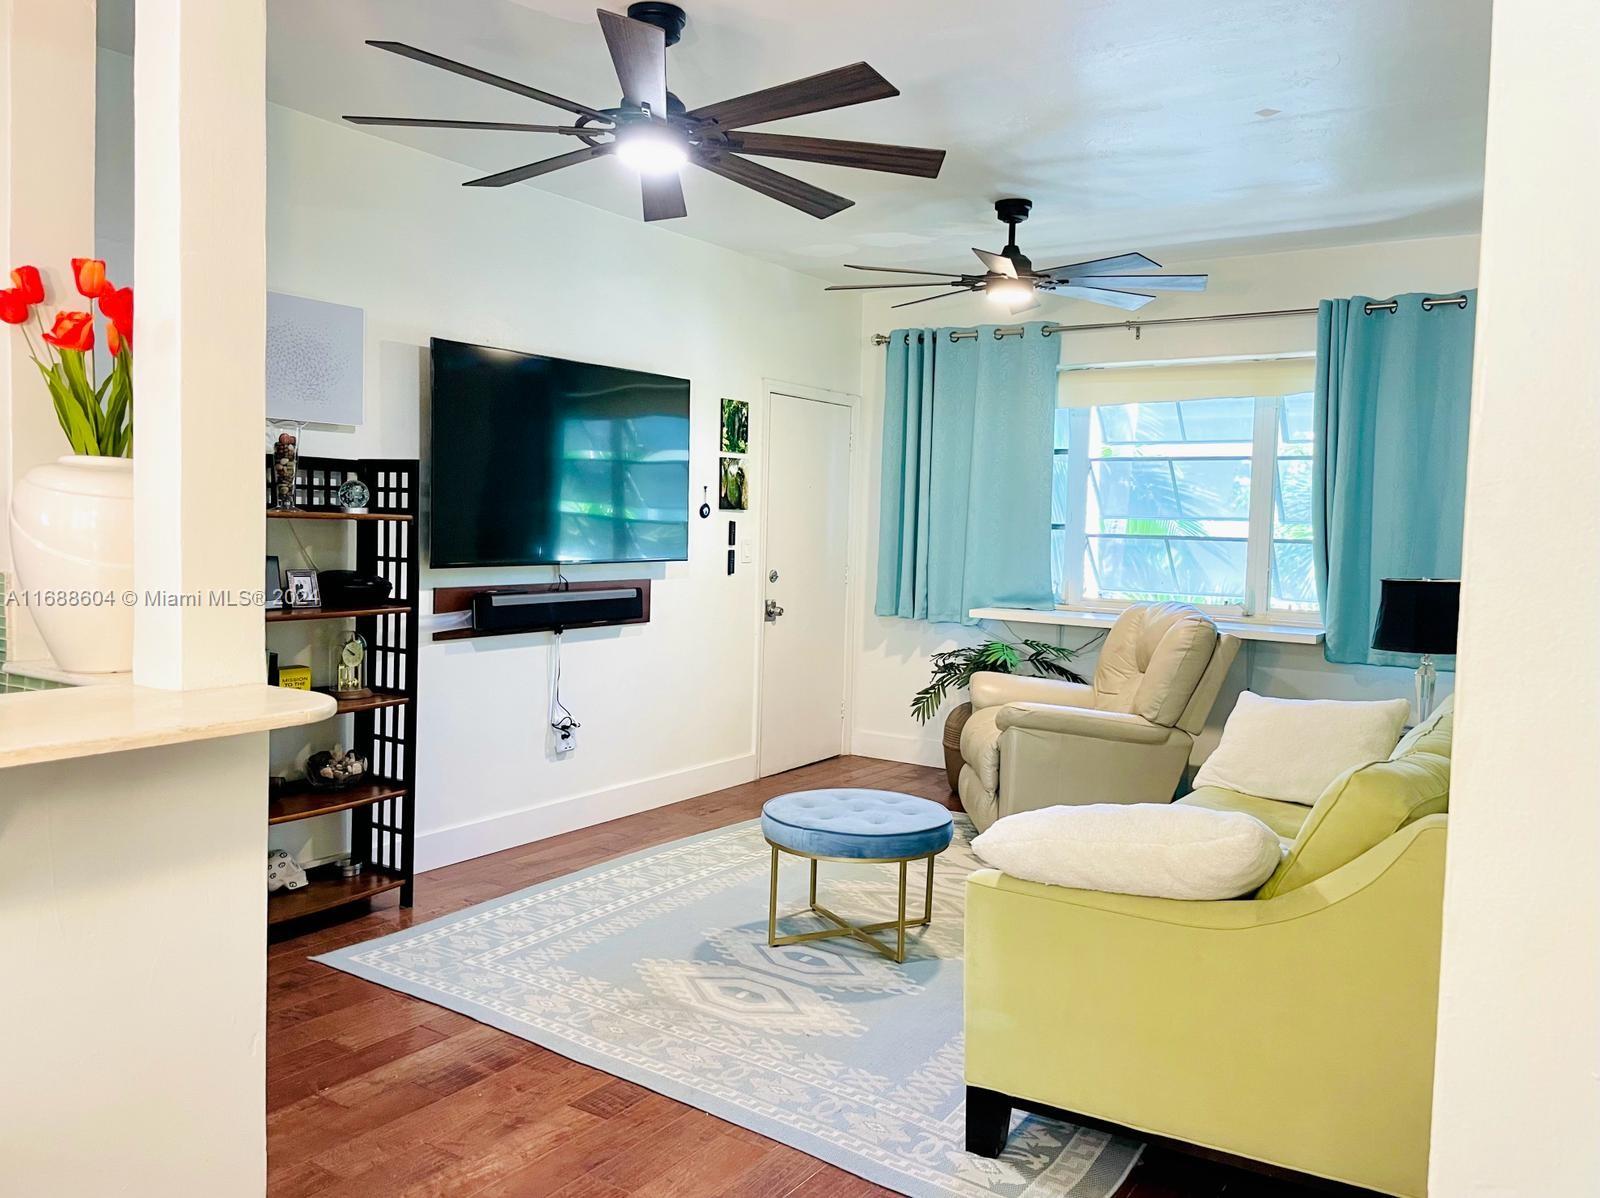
<point x="72" y="550"/>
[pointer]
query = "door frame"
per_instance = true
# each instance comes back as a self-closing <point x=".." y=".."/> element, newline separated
<point x="854" y="540"/>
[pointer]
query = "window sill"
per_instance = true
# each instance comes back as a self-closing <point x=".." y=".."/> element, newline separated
<point x="1245" y="630"/>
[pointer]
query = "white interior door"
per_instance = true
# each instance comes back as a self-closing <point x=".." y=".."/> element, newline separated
<point x="806" y="573"/>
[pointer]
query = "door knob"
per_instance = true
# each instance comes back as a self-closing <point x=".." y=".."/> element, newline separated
<point x="773" y="611"/>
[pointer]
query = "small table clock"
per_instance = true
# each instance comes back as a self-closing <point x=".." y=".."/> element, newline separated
<point x="350" y="668"/>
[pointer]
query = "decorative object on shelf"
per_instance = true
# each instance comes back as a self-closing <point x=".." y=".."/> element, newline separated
<point x="316" y="353"/>
<point x="274" y="584"/>
<point x="72" y="519"/>
<point x="652" y="132"/>
<point x="705" y="503"/>
<point x="301" y="589"/>
<point x="349" y="867"/>
<point x="953" y="669"/>
<point x="335" y="769"/>
<point x="348" y="588"/>
<point x="272" y="668"/>
<point x="354" y="496"/>
<point x="733" y="494"/>
<point x="285" y="458"/>
<point x="735" y="426"/>
<point x="1419" y="615"/>
<point x="350" y="668"/>
<point x="296" y="678"/>
<point x="1010" y="279"/>
<point x="283" y="872"/>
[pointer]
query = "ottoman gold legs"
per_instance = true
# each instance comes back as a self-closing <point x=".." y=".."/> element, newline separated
<point x="843" y="927"/>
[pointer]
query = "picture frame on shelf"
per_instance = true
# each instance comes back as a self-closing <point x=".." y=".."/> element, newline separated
<point x="301" y="589"/>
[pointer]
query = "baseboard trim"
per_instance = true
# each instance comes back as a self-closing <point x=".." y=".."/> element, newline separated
<point x="892" y="746"/>
<point x="462" y="842"/>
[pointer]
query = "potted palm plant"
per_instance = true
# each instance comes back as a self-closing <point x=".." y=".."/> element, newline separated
<point x="71" y="520"/>
<point x="953" y="670"/>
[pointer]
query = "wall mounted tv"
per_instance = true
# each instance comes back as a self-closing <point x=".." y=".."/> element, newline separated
<point x="541" y="461"/>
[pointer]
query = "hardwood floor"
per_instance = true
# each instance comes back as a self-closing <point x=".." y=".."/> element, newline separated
<point x="371" y="1093"/>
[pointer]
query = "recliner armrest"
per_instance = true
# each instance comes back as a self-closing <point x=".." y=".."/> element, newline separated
<point x="990" y="689"/>
<point x="1078" y="721"/>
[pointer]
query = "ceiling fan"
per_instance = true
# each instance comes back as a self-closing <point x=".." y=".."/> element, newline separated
<point x="1010" y="278"/>
<point x="654" y="133"/>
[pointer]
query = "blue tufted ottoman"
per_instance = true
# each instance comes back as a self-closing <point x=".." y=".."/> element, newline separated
<point x="855" y="825"/>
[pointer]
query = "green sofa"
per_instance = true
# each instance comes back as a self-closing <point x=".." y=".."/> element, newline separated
<point x="1294" y="1027"/>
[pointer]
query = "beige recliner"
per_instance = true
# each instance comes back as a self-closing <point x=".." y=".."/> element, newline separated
<point x="1040" y="742"/>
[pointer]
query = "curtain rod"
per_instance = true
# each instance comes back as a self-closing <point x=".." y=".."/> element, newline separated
<point x="1137" y="326"/>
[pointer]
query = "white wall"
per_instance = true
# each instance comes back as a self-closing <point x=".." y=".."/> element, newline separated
<point x="668" y="708"/>
<point x="894" y="653"/>
<point x="1517" y="1082"/>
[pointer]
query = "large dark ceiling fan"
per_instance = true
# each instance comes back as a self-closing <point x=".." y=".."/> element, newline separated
<point x="1010" y="278"/>
<point x="653" y="132"/>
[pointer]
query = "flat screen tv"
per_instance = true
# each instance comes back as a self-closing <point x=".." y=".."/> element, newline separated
<point x="541" y="461"/>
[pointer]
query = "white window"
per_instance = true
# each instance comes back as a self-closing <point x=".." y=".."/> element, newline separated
<point x="1188" y="482"/>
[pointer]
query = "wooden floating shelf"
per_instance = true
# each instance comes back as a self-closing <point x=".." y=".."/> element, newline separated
<point x="285" y="614"/>
<point x="302" y="802"/>
<point x="323" y="893"/>
<point x="378" y="698"/>
<point x="307" y="514"/>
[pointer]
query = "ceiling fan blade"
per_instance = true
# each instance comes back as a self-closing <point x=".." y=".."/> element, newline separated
<point x="639" y="52"/>
<point x="1148" y="282"/>
<point x="1104" y="266"/>
<point x="882" y="286"/>
<point x="409" y="122"/>
<point x="510" y="85"/>
<point x="1125" y="300"/>
<point x="925" y="299"/>
<point x="1027" y="305"/>
<point x="542" y="167"/>
<point x="863" y="155"/>
<point x="998" y="264"/>
<point x="786" y="188"/>
<point x="663" y="197"/>
<point x="900" y="270"/>
<point x="839" y="88"/>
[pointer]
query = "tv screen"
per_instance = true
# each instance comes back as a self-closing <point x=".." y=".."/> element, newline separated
<point x="539" y="461"/>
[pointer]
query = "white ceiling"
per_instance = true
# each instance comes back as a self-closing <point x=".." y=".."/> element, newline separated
<point x="1132" y="124"/>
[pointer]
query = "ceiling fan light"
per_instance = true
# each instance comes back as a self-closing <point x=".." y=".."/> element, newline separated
<point x="1008" y="291"/>
<point x="651" y="150"/>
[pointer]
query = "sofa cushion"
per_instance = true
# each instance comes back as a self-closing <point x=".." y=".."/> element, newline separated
<point x="1152" y="661"/>
<point x="1164" y="850"/>
<point x="1292" y="749"/>
<point x="1286" y="819"/>
<point x="1366" y="805"/>
<point x="980" y="746"/>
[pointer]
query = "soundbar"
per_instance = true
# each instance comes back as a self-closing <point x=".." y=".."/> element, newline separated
<point x="552" y="611"/>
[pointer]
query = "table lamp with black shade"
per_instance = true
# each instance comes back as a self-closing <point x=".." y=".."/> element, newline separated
<point x="1418" y="615"/>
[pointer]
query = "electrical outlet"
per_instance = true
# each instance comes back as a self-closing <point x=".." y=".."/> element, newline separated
<point x="566" y="740"/>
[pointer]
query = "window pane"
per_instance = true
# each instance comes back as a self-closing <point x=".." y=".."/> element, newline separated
<point x="1129" y="566"/>
<point x="1293" y="582"/>
<point x="1293" y="508"/>
<point x="1058" y="561"/>
<point x="1214" y="489"/>
<point x="1135" y="488"/>
<point x="1063" y="431"/>
<point x="1058" y="492"/>
<point x="1294" y="423"/>
<point x="1139" y="423"/>
<point x="1218" y="419"/>
<point x="1210" y="571"/>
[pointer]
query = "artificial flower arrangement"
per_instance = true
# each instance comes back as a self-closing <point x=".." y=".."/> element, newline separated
<point x="97" y="416"/>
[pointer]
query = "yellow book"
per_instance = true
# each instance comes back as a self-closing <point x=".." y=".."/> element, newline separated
<point x="295" y="677"/>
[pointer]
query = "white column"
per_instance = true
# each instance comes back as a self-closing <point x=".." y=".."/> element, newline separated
<point x="199" y="361"/>
<point x="47" y="58"/>
<point x="1517" y="1089"/>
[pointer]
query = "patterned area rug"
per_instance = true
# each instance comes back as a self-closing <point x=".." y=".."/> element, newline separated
<point x="655" y="968"/>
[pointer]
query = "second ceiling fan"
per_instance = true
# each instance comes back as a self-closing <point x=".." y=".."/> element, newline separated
<point x="652" y="131"/>
<point x="1010" y="278"/>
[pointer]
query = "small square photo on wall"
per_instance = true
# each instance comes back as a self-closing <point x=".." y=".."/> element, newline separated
<point x="735" y="426"/>
<point x="733" y="489"/>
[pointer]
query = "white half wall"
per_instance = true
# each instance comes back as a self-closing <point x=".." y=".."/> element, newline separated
<point x="1517" y="1081"/>
<point x="667" y="708"/>
<point x="894" y="653"/>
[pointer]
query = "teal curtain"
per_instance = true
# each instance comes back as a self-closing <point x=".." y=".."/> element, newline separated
<point x="968" y="430"/>
<point x="1390" y="472"/>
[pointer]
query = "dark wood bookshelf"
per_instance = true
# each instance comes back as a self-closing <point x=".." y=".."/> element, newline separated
<point x="384" y="724"/>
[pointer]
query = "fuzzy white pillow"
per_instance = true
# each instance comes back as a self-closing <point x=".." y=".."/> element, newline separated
<point x="1156" y="849"/>
<point x="1291" y="749"/>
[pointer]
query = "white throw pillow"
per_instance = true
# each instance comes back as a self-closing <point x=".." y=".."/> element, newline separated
<point x="1155" y="849"/>
<point x="1291" y="749"/>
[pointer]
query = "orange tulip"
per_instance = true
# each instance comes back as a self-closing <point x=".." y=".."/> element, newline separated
<point x="72" y="330"/>
<point x="13" y="306"/>
<point x="117" y="305"/>
<point x="113" y="339"/>
<point x="90" y="275"/>
<point x="26" y="281"/>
